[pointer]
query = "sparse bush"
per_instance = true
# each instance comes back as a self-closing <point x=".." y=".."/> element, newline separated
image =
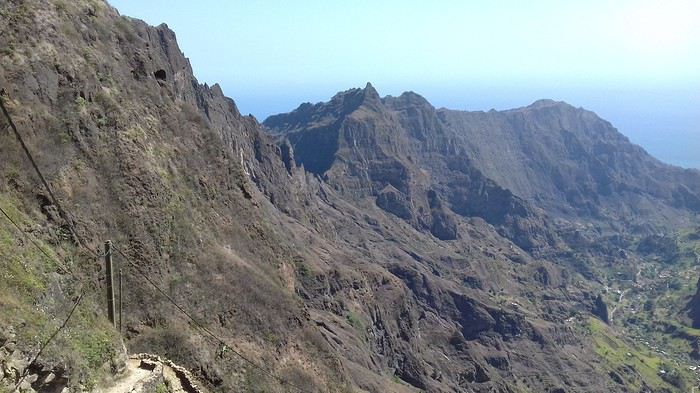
<point x="192" y="115"/>
<point x="355" y="321"/>
<point x="61" y="6"/>
<point x="256" y="381"/>
<point x="124" y="25"/>
<point x="673" y="377"/>
<point x="302" y="269"/>
<point x="106" y="79"/>
<point x="649" y="305"/>
<point x="169" y="341"/>
<point x="272" y="339"/>
<point x="80" y="102"/>
<point x="108" y="103"/>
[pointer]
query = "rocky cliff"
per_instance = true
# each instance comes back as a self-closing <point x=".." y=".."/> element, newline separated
<point x="549" y="155"/>
<point x="570" y="161"/>
<point x="364" y="246"/>
<point x="398" y="151"/>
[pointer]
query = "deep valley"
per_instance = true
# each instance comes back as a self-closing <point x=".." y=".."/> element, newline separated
<point x="367" y="243"/>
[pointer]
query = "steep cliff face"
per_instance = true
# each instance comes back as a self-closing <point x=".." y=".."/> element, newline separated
<point x="166" y="168"/>
<point x="550" y="155"/>
<point x="360" y="249"/>
<point x="398" y="151"/>
<point x="570" y="161"/>
<point x="605" y="199"/>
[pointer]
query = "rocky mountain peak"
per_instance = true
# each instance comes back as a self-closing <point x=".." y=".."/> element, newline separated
<point x="545" y="102"/>
<point x="385" y="148"/>
<point x="323" y="114"/>
<point x="353" y="99"/>
<point x="370" y="92"/>
<point x="407" y="100"/>
<point x="369" y="244"/>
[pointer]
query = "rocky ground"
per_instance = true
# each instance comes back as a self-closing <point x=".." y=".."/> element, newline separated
<point x="363" y="244"/>
<point x="146" y="373"/>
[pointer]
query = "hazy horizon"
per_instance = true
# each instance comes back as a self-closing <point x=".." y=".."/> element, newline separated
<point x="634" y="63"/>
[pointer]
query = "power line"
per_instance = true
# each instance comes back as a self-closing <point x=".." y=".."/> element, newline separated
<point x="65" y="217"/>
<point x="36" y="244"/>
<point x="46" y="343"/>
<point x="204" y="328"/>
<point x="62" y="212"/>
<point x="70" y="314"/>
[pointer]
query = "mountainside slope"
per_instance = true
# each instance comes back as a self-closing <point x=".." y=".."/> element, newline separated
<point x="389" y="262"/>
<point x="570" y="160"/>
<point x="551" y="155"/>
<point x="141" y="154"/>
<point x="558" y="181"/>
<point x="405" y="158"/>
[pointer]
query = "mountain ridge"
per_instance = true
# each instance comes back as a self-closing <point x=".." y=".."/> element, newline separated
<point x="392" y="263"/>
<point x="539" y="121"/>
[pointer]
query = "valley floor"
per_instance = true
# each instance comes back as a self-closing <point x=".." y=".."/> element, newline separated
<point x="645" y="330"/>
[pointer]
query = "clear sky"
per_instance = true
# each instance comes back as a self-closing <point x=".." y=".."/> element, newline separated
<point x="634" y="62"/>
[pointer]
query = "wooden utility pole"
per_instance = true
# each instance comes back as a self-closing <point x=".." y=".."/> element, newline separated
<point x="110" y="282"/>
<point x="121" y="314"/>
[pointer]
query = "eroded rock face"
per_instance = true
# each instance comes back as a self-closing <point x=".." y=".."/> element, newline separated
<point x="493" y="165"/>
<point x="600" y="309"/>
<point x="395" y="202"/>
<point x="572" y="162"/>
<point x="398" y="151"/>
<point x="366" y="238"/>
<point x="16" y="369"/>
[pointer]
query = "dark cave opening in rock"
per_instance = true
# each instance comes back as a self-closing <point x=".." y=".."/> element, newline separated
<point x="160" y="75"/>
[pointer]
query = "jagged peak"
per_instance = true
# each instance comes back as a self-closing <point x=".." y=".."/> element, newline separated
<point x="354" y="98"/>
<point x="341" y="104"/>
<point x="407" y="98"/>
<point x="548" y="103"/>
<point x="370" y="90"/>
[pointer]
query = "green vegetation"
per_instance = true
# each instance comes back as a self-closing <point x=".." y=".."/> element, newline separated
<point x="302" y="269"/>
<point x="96" y="349"/>
<point x="272" y="339"/>
<point x="355" y="321"/>
<point x="61" y="7"/>
<point x="80" y="102"/>
<point x="637" y="365"/>
<point x="126" y="29"/>
<point x="617" y="354"/>
<point x="106" y="79"/>
<point x="649" y="309"/>
<point x="26" y="276"/>
<point x="22" y="266"/>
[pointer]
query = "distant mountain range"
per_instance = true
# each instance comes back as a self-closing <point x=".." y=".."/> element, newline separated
<point x="564" y="160"/>
<point x="364" y="244"/>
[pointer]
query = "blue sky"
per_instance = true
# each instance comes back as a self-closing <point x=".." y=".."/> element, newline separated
<point x="635" y="63"/>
